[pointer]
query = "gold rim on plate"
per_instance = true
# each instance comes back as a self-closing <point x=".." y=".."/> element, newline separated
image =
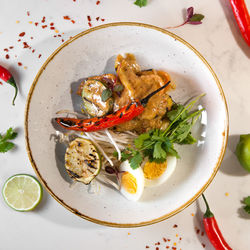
<point x="75" y="211"/>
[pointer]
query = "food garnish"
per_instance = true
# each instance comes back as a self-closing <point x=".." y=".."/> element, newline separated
<point x="5" y="145"/>
<point x="246" y="202"/>
<point x="6" y="76"/>
<point x="141" y="3"/>
<point x="213" y="232"/>
<point x="243" y="151"/>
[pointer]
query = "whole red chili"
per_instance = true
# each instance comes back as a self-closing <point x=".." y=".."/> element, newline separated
<point x="242" y="17"/>
<point x="6" y="76"/>
<point x="212" y="230"/>
<point x="124" y="114"/>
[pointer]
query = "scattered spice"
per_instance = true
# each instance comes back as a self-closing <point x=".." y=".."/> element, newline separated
<point x="44" y="26"/>
<point x="167" y="246"/>
<point x="174" y="243"/>
<point x="6" y="50"/>
<point x="28" y="13"/>
<point x="164" y="239"/>
<point x="57" y="31"/>
<point x="33" y="51"/>
<point x="174" y="226"/>
<point x="51" y="24"/>
<point x="31" y="37"/>
<point x="59" y="35"/>
<point x="147" y="246"/>
<point x="17" y="21"/>
<point x="192" y="214"/>
<point x="36" y="23"/>
<point x="226" y="193"/>
<point x="180" y="238"/>
<point x="62" y="40"/>
<point x="7" y="56"/>
<point x="52" y="28"/>
<point x="66" y="17"/>
<point x="197" y="231"/>
<point x="203" y="245"/>
<point x="157" y="243"/>
<point x="102" y="19"/>
<point x="73" y="21"/>
<point x="97" y="2"/>
<point x="19" y="40"/>
<point x="39" y="56"/>
<point x="11" y="47"/>
<point x="25" y="67"/>
<point x="157" y="248"/>
<point x="174" y="248"/>
<point x="202" y="233"/>
<point x="25" y="45"/>
<point x="176" y="235"/>
<point x="89" y="18"/>
<point x="97" y="18"/>
<point x="90" y="25"/>
<point x="19" y="64"/>
<point x="43" y="20"/>
<point x="22" y="34"/>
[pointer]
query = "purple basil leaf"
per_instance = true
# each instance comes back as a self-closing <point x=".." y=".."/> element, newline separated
<point x="190" y="12"/>
<point x="194" y="22"/>
<point x="196" y="18"/>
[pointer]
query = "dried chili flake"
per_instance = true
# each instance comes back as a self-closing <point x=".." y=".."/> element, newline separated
<point x="19" y="64"/>
<point x="97" y="18"/>
<point x="203" y="245"/>
<point x="97" y="2"/>
<point x="167" y="246"/>
<point x="28" y="13"/>
<point x="51" y="24"/>
<point x="62" y="40"/>
<point x="180" y="238"/>
<point x="202" y="233"/>
<point x="52" y="28"/>
<point x="102" y="19"/>
<point x="66" y="17"/>
<point x="174" y="226"/>
<point x="55" y="35"/>
<point x="157" y="243"/>
<point x="90" y="25"/>
<point x="25" y="45"/>
<point x="44" y="26"/>
<point x="6" y="50"/>
<point x="33" y="51"/>
<point x="164" y="239"/>
<point x="43" y="20"/>
<point x="36" y="23"/>
<point x="59" y="35"/>
<point x="169" y="240"/>
<point x="157" y="248"/>
<point x="197" y="231"/>
<point x="39" y="56"/>
<point x="73" y="21"/>
<point x="19" y="40"/>
<point x="1" y="83"/>
<point x="11" y="47"/>
<point x="22" y="34"/>
<point x="174" y="248"/>
<point x="147" y="246"/>
<point x="31" y="37"/>
<point x="7" y="56"/>
<point x="89" y="18"/>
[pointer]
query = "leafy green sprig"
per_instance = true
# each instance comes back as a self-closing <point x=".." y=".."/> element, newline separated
<point x="5" y="145"/>
<point x="158" y="144"/>
<point x="246" y="201"/>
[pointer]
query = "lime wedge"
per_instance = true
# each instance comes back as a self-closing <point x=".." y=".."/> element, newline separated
<point x="22" y="192"/>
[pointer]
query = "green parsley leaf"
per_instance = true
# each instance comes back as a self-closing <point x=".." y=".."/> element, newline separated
<point x="246" y="201"/>
<point x="196" y="18"/>
<point x="106" y="94"/>
<point x="159" y="152"/>
<point x="136" y="160"/>
<point x="141" y="3"/>
<point x="139" y="141"/>
<point x="4" y="144"/>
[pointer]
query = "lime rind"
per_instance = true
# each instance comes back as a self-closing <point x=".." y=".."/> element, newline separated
<point x="34" y="203"/>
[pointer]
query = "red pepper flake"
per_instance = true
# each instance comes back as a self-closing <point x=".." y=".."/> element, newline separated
<point x="28" y="13"/>
<point x="7" y="56"/>
<point x="102" y="19"/>
<point x="62" y="40"/>
<point x="180" y="238"/>
<point x="73" y="21"/>
<point x="43" y="20"/>
<point x="168" y="239"/>
<point x="97" y="18"/>
<point x="164" y="239"/>
<point x="203" y="245"/>
<point x="33" y="51"/>
<point x="174" y="226"/>
<point x="19" y="64"/>
<point x="25" y="45"/>
<point x="97" y="2"/>
<point x="22" y="34"/>
<point x="59" y="35"/>
<point x="52" y="28"/>
<point x="39" y="56"/>
<point x="36" y="24"/>
<point x="51" y="24"/>
<point x="157" y="243"/>
<point x="11" y="47"/>
<point x="157" y="248"/>
<point x="197" y="231"/>
<point x="167" y="246"/>
<point x="2" y="84"/>
<point x="147" y="246"/>
<point x="89" y="18"/>
<point x="31" y="37"/>
<point x="6" y="50"/>
<point x="174" y="248"/>
<point x="202" y="233"/>
<point x="66" y="17"/>
<point x="19" y="40"/>
<point x="90" y="25"/>
<point x="44" y="26"/>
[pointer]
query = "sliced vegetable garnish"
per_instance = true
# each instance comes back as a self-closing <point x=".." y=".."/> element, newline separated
<point x="82" y="160"/>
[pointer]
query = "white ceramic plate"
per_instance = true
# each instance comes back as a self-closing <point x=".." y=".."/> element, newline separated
<point x="92" y="52"/>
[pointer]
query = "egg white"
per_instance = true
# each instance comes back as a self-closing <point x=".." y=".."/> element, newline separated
<point x="171" y="164"/>
<point x="139" y="176"/>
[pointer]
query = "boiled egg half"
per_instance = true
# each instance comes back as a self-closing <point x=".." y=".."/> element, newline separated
<point x="131" y="181"/>
<point x="157" y="173"/>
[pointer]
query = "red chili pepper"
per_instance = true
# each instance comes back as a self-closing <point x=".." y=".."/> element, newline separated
<point x="212" y="230"/>
<point x="6" y="76"/>
<point x="242" y="17"/>
<point x="124" y="114"/>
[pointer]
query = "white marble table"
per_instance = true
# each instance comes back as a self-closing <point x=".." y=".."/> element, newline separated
<point x="51" y="226"/>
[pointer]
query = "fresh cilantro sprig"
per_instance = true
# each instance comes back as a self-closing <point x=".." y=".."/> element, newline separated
<point x="158" y="144"/>
<point x="5" y="145"/>
<point x="141" y="3"/>
<point x="246" y="201"/>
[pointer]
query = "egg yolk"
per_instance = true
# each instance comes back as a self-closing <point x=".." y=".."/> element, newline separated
<point x="153" y="170"/>
<point x="129" y="182"/>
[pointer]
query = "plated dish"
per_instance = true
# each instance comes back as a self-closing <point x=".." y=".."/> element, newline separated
<point x="93" y="53"/>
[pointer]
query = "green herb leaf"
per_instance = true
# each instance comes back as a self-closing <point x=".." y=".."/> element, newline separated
<point x="246" y="201"/>
<point x="136" y="160"/>
<point x="141" y="139"/>
<point x="118" y="88"/>
<point x="106" y="94"/>
<point x="4" y="144"/>
<point x="141" y="3"/>
<point x="159" y="152"/>
<point x="196" y="18"/>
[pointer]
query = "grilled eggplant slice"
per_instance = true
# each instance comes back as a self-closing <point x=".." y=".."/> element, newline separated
<point x="82" y="160"/>
<point x="92" y="98"/>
